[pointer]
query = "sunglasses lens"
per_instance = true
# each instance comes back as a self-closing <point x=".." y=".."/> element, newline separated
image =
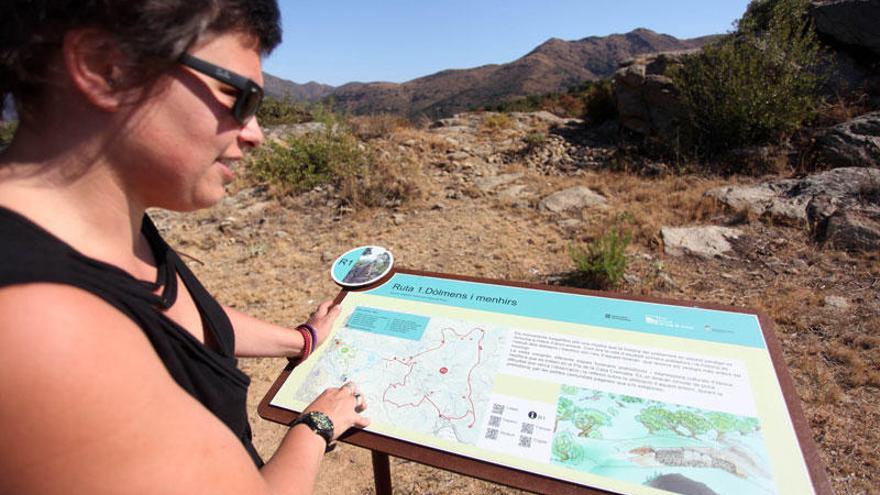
<point x="251" y="99"/>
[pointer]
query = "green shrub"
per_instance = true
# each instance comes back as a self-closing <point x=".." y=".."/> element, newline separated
<point x="335" y="156"/>
<point x="299" y="163"/>
<point x="601" y="263"/>
<point x="7" y="130"/>
<point x="498" y="121"/>
<point x="752" y="87"/>
<point x="276" y="111"/>
<point x="535" y="139"/>
<point x="599" y="104"/>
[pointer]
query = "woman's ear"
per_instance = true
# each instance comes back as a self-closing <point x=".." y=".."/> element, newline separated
<point x="94" y="64"/>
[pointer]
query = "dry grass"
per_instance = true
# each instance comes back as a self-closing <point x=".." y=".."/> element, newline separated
<point x="422" y="141"/>
<point x="841" y="108"/>
<point x="670" y="201"/>
<point x="384" y="182"/>
<point x="497" y="122"/>
<point x="383" y="125"/>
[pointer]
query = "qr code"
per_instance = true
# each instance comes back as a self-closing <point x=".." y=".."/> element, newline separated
<point x="494" y="420"/>
<point x="525" y="441"/>
<point x="497" y="409"/>
<point x="528" y="428"/>
<point x="492" y="434"/>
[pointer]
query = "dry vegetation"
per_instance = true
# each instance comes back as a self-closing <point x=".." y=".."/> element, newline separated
<point x="269" y="255"/>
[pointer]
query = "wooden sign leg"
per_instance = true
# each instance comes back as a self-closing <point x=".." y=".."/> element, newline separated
<point x="381" y="473"/>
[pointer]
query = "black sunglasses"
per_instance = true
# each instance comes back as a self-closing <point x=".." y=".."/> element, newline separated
<point x="250" y="94"/>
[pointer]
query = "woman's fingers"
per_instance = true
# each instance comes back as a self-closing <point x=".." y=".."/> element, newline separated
<point x="323" y="317"/>
<point x="343" y="405"/>
<point x="362" y="421"/>
<point x="323" y="309"/>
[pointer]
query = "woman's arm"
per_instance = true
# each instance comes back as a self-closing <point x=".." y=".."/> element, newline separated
<point x="257" y="338"/>
<point x="95" y="411"/>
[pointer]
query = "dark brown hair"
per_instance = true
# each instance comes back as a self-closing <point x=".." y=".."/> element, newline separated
<point x="153" y="33"/>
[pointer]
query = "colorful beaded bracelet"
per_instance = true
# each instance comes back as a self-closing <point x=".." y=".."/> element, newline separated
<point x="307" y="342"/>
<point x="312" y="332"/>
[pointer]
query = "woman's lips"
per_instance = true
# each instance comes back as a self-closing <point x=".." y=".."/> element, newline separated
<point x="226" y="168"/>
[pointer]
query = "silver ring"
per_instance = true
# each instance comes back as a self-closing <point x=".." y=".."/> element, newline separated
<point x="358" y="398"/>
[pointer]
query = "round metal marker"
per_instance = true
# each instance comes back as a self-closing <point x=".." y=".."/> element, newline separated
<point x="362" y="266"/>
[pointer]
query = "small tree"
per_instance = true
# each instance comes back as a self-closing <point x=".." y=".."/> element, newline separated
<point x="754" y="86"/>
<point x="599" y="104"/>
<point x="300" y="163"/>
<point x="602" y="262"/>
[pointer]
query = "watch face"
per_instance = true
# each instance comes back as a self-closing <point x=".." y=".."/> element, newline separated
<point x="321" y="421"/>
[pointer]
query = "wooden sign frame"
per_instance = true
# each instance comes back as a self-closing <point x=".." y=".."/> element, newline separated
<point x="382" y="445"/>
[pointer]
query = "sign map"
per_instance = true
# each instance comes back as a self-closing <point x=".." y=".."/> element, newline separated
<point x="625" y="396"/>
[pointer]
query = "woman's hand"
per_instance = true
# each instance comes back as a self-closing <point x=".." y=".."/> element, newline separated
<point x="343" y="405"/>
<point x="322" y="320"/>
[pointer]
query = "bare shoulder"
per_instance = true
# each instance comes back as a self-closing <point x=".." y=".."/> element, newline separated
<point x="89" y="407"/>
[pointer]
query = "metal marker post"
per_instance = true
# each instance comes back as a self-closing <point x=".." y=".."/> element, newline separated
<point x="381" y="473"/>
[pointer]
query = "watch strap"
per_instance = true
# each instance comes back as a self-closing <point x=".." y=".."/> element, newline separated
<point x="319" y="423"/>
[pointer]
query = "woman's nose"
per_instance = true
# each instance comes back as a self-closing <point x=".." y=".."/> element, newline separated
<point x="251" y="134"/>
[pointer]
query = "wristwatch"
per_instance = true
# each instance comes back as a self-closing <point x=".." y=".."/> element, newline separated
<point x="320" y="424"/>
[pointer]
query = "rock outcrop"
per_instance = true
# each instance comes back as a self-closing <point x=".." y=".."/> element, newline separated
<point x="704" y="242"/>
<point x="855" y="143"/>
<point x="572" y="198"/>
<point x="849" y="29"/>
<point x="647" y="99"/>
<point x="841" y="207"/>
<point x="848" y="22"/>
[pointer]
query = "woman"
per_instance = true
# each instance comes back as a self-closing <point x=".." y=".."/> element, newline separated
<point x="117" y="369"/>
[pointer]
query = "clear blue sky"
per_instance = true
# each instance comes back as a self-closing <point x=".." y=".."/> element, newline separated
<point x="335" y="42"/>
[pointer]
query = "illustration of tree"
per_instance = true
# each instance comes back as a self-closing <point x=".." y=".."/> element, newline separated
<point x="565" y="409"/>
<point x="725" y="423"/>
<point x="566" y="449"/>
<point x="587" y="419"/>
<point x="682" y="422"/>
<point x="746" y="425"/>
<point x="631" y="400"/>
<point x="692" y="422"/>
<point x="656" y="419"/>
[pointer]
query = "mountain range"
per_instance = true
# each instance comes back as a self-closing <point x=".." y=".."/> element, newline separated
<point x="553" y="66"/>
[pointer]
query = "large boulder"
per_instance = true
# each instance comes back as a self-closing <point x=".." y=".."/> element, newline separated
<point x="787" y="199"/>
<point x="647" y="100"/>
<point x="841" y="207"/>
<point x="855" y="143"/>
<point x="854" y="229"/>
<point x="704" y="242"/>
<point x="572" y="198"/>
<point x="849" y="22"/>
<point x="852" y="51"/>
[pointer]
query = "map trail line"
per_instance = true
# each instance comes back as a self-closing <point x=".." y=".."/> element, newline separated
<point x="411" y="363"/>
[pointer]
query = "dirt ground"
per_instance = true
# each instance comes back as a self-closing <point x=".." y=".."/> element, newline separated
<point x="270" y="256"/>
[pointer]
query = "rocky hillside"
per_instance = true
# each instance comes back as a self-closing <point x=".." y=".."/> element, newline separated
<point x="282" y="88"/>
<point x="553" y="66"/>
<point x="508" y="198"/>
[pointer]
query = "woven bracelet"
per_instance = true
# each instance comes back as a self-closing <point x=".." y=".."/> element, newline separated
<point x="307" y="342"/>
<point x="312" y="332"/>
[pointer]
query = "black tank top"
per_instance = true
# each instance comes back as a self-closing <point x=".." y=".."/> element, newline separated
<point x="30" y="254"/>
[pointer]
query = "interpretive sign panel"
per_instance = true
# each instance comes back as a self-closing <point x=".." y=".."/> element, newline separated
<point x="621" y="395"/>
